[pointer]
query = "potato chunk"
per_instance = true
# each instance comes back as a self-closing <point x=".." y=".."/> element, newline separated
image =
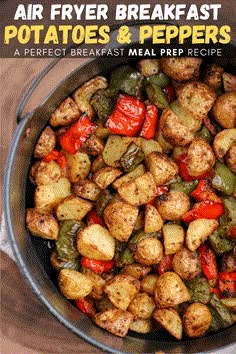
<point x="148" y="283"/>
<point x="173" y="238"/>
<point x="231" y="158"/>
<point x="139" y="191"/>
<point x="94" y="241"/>
<point x="153" y="221"/>
<point x="121" y="290"/>
<point x="128" y="177"/>
<point x="85" y="188"/>
<point x="186" y="264"/>
<point x="97" y="281"/>
<point x="120" y="219"/>
<point x="149" y="251"/>
<point x="196" y="320"/>
<point x="197" y="98"/>
<point x="44" y="173"/>
<point x="198" y="231"/>
<point x="45" y="144"/>
<point x="105" y="176"/>
<point x="223" y="141"/>
<point x="161" y="167"/>
<point x="114" y="321"/>
<point x="47" y="197"/>
<point x="142" y="306"/>
<point x="73" y="208"/>
<point x="41" y="224"/>
<point x="173" y="206"/>
<point x="224" y="110"/>
<point x="65" y="114"/>
<point x="170" y="290"/>
<point x="73" y="284"/>
<point x="140" y="325"/>
<point x="201" y="157"/>
<point x="78" y="164"/>
<point x="170" y="320"/>
<point x="181" y="69"/>
<point x="136" y="270"/>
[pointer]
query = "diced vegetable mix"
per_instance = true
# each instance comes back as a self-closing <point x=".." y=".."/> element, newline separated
<point x="135" y="185"/>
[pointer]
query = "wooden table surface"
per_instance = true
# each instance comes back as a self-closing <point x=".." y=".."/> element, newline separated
<point x="26" y="325"/>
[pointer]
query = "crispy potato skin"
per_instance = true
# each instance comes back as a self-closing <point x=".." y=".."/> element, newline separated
<point x="73" y="284"/>
<point x="43" y="173"/>
<point x="170" y="320"/>
<point x="142" y="306"/>
<point x="45" y="144"/>
<point x="173" y="206"/>
<point x="231" y="158"/>
<point x="224" y="110"/>
<point x="41" y="224"/>
<point x="65" y="114"/>
<point x="149" y="251"/>
<point x="196" y="320"/>
<point x="92" y="146"/>
<point x="181" y="69"/>
<point x="170" y="290"/>
<point x="198" y="231"/>
<point x="73" y="208"/>
<point x="223" y="142"/>
<point x="213" y="77"/>
<point x="85" y="188"/>
<point x="161" y="167"/>
<point x="186" y="264"/>
<point x="201" y="157"/>
<point x="114" y="321"/>
<point x="152" y="221"/>
<point x="136" y="270"/>
<point x="197" y="98"/>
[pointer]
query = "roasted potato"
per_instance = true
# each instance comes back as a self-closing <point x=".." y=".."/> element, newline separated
<point x="197" y="98"/>
<point x="140" y="325"/>
<point x="73" y="208"/>
<point x="149" y="251"/>
<point x="97" y="281"/>
<point x="136" y="270"/>
<point x="181" y="69"/>
<point x="94" y="241"/>
<point x="73" y="284"/>
<point x="231" y="158"/>
<point x="213" y="76"/>
<point x="152" y="220"/>
<point x="45" y="143"/>
<point x="87" y="189"/>
<point x="201" y="157"/>
<point x="79" y="165"/>
<point x="128" y="177"/>
<point x="149" y="67"/>
<point x="105" y="176"/>
<point x="170" y="290"/>
<point x="65" y="114"/>
<point x="121" y="290"/>
<point x="43" y="173"/>
<point x="142" y="306"/>
<point x="170" y="320"/>
<point x="186" y="264"/>
<point x="148" y="283"/>
<point x="42" y="224"/>
<point x="224" y="110"/>
<point x="198" y="231"/>
<point x="223" y="141"/>
<point x="114" y="321"/>
<point x="196" y="320"/>
<point x="173" y="236"/>
<point x="173" y="206"/>
<point x="229" y="82"/>
<point x="161" y="167"/>
<point x="93" y="145"/>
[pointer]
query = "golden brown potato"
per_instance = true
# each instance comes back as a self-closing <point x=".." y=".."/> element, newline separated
<point x="152" y="221"/>
<point x="97" y="281"/>
<point x="114" y="321"/>
<point x="85" y="188"/>
<point x="97" y="164"/>
<point x="93" y="145"/>
<point x="73" y="208"/>
<point x="84" y="93"/>
<point x="229" y="82"/>
<point x="120" y="219"/>
<point x="186" y="264"/>
<point x="47" y="197"/>
<point x="105" y="176"/>
<point x="121" y="290"/>
<point x="79" y="165"/>
<point x="201" y="157"/>
<point x="170" y="320"/>
<point x="213" y="77"/>
<point x="142" y="306"/>
<point x="65" y="114"/>
<point x="136" y="270"/>
<point x="197" y="98"/>
<point x="94" y="241"/>
<point x="45" y="144"/>
<point x="231" y="158"/>
<point x="161" y="167"/>
<point x="139" y="191"/>
<point x="148" y="283"/>
<point x="223" y="141"/>
<point x="170" y="290"/>
<point x="196" y="320"/>
<point x="173" y="235"/>
<point x="173" y="206"/>
<point x="173" y="130"/>
<point x="128" y="177"/>
<point x="149" y="67"/>
<point x="181" y="69"/>
<point x="198" y="231"/>
<point x="149" y="251"/>
<point x="141" y="326"/>
<point x="43" y="173"/>
<point x="41" y="224"/>
<point x="73" y="284"/>
<point x="224" y="110"/>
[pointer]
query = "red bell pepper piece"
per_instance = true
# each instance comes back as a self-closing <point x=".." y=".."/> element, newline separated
<point x="170" y="92"/>
<point x="96" y="265"/>
<point x="73" y="138"/>
<point x="215" y="291"/>
<point x="53" y="155"/>
<point x="128" y="116"/>
<point x="150" y="122"/>
<point x="203" y="192"/>
<point x="206" y="209"/>
<point x="227" y="284"/>
<point x="160" y="190"/>
<point x="86" y="305"/>
<point x="166" y="264"/>
<point x="94" y="218"/>
<point x="61" y="160"/>
<point x="208" y="262"/>
<point x="183" y="169"/>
